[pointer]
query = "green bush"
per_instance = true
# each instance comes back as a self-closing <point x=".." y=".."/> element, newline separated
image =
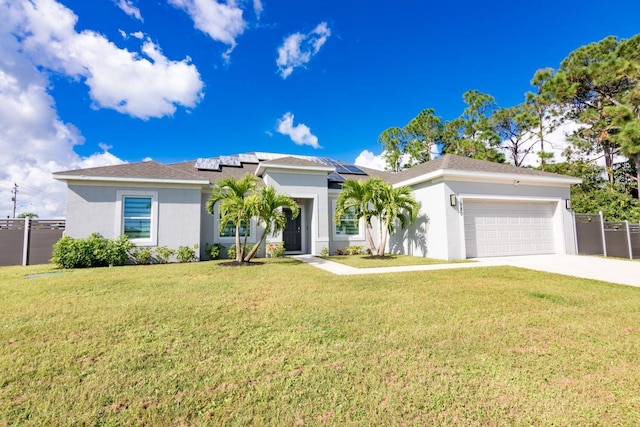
<point x="214" y="251"/>
<point x="163" y="254"/>
<point x="187" y="254"/>
<point x="231" y="251"/>
<point x="142" y="255"/>
<point x="324" y="251"/>
<point x="92" y="251"/>
<point x="353" y="250"/>
<point x="275" y="250"/>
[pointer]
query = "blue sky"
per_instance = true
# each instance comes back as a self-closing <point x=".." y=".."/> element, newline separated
<point x="89" y="83"/>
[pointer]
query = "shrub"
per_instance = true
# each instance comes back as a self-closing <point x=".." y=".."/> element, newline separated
<point x="65" y="253"/>
<point x="117" y="251"/>
<point x="92" y="251"/>
<point x="163" y="254"/>
<point x="187" y="254"/>
<point x="324" y="251"/>
<point x="142" y="255"/>
<point x="275" y="250"/>
<point x="231" y="251"/>
<point x="353" y="250"/>
<point x="214" y="251"/>
<point x="339" y="251"/>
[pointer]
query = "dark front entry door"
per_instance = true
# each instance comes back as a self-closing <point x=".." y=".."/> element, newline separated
<point x="292" y="235"/>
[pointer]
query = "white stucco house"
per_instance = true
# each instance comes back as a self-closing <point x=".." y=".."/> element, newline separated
<point x="469" y="208"/>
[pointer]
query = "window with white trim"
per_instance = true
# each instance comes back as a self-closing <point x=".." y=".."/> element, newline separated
<point x="348" y="225"/>
<point x="137" y="216"/>
<point x="230" y="229"/>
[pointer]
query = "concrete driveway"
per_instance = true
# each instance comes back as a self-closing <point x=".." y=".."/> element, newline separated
<point x="624" y="272"/>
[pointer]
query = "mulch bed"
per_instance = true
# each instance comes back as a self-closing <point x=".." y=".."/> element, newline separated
<point x="240" y="264"/>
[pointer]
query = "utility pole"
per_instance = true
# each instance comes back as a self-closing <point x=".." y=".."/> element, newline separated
<point x="14" y="198"/>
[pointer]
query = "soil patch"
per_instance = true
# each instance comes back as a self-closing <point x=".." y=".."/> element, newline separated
<point x="379" y="257"/>
<point x="240" y="264"/>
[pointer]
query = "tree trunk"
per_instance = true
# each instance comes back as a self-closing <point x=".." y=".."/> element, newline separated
<point x="367" y="233"/>
<point x="608" y="163"/>
<point x="239" y="252"/>
<point x="383" y="239"/>
<point x="255" y="248"/>
<point x="637" y="161"/>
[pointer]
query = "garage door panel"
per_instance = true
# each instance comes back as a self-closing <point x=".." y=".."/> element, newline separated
<point x="508" y="228"/>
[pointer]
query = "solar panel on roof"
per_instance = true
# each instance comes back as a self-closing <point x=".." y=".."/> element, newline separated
<point x="354" y="170"/>
<point x="208" y="164"/>
<point x="335" y="177"/>
<point x="248" y="158"/>
<point x="230" y="161"/>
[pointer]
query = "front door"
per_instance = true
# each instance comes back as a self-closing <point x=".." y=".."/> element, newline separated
<point x="292" y="234"/>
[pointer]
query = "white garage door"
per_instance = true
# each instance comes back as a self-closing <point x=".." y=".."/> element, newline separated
<point x="508" y="228"/>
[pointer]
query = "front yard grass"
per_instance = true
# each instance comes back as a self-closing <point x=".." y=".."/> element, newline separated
<point x="366" y="261"/>
<point x="285" y="343"/>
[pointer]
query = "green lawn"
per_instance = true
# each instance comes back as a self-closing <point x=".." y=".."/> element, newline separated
<point x="287" y="344"/>
<point x="366" y="261"/>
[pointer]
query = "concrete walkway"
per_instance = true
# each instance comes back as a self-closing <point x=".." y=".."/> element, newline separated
<point x="587" y="267"/>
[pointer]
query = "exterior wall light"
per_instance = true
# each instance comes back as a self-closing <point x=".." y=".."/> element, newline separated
<point x="567" y="204"/>
<point x="453" y="199"/>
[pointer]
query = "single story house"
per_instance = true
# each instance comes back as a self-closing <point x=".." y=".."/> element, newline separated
<point x="469" y="208"/>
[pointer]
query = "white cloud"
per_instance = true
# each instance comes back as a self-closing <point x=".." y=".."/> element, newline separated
<point x="297" y="49"/>
<point x="222" y="22"/>
<point x="34" y="141"/>
<point x="143" y="85"/>
<point x="369" y="160"/>
<point x="258" y="8"/>
<point x="300" y="133"/>
<point x="130" y="9"/>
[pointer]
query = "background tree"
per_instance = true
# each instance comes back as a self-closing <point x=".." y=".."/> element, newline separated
<point x="412" y="144"/>
<point x="515" y="126"/>
<point x="545" y="114"/>
<point x="424" y="132"/>
<point x="471" y="134"/>
<point x="28" y="215"/>
<point x="590" y="83"/>
<point x="393" y="141"/>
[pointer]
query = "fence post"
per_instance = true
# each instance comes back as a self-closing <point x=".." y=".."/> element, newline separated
<point x="604" y="239"/>
<point x="25" y="243"/>
<point x="629" y="240"/>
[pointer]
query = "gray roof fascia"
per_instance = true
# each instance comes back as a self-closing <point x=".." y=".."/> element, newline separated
<point x="93" y="178"/>
<point x="476" y="176"/>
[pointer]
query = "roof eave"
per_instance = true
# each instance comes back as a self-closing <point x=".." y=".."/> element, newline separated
<point x="91" y="178"/>
<point x="261" y="169"/>
<point x="489" y="177"/>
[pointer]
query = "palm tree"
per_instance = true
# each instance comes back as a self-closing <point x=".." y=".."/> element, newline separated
<point x="270" y="212"/>
<point x="238" y="204"/>
<point x="360" y="196"/>
<point x="395" y="204"/>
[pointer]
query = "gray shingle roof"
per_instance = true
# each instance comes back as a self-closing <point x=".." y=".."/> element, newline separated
<point x="187" y="171"/>
<point x="150" y="169"/>
<point x="450" y="162"/>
